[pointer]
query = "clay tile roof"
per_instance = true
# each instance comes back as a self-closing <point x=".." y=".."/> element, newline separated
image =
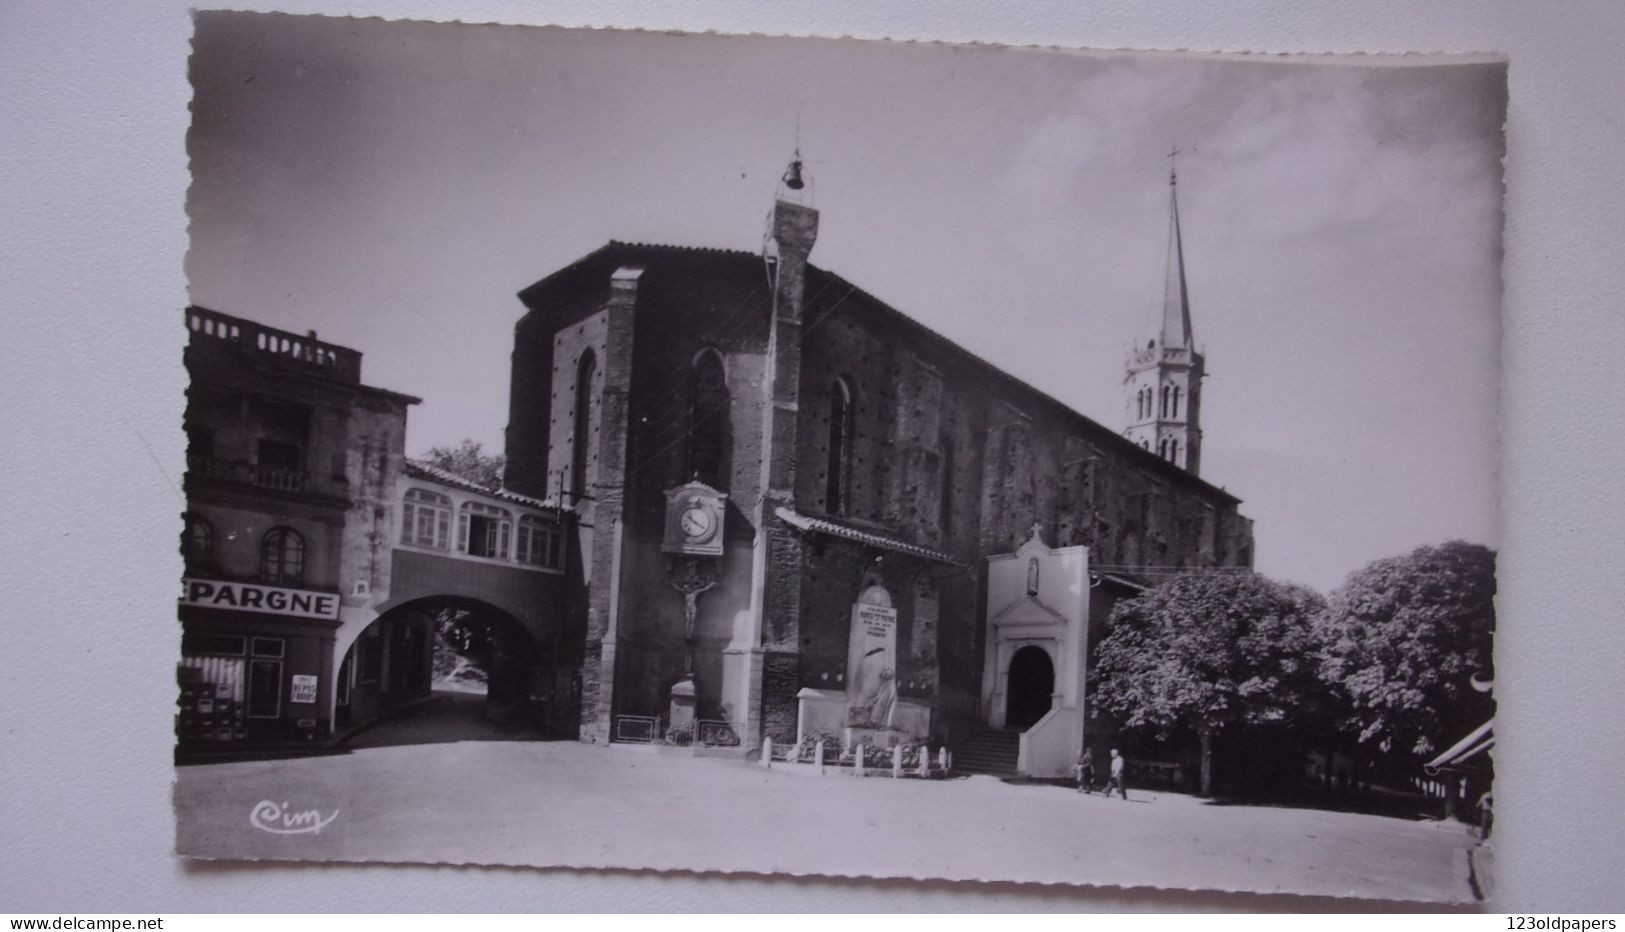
<point x="825" y="526"/>
<point x="418" y="469"/>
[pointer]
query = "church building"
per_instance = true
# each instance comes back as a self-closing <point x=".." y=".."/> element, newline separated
<point x="794" y="510"/>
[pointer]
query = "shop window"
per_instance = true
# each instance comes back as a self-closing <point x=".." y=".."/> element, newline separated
<point x="539" y="542"/>
<point x="426" y="519"/>
<point x="484" y="531"/>
<point x="220" y="644"/>
<point x="840" y="453"/>
<point x="708" y="420"/>
<point x="282" y="556"/>
<point x="197" y="540"/>
<point x="581" y="438"/>
<point x="269" y="647"/>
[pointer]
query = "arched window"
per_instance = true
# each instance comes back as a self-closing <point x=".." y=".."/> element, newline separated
<point x="484" y="530"/>
<point x="282" y="556"/>
<point x="1162" y="448"/>
<point x="840" y="442"/>
<point x="1164" y="409"/>
<point x="426" y="519"/>
<point x="197" y="540"/>
<point x="708" y="420"/>
<point x="581" y="438"/>
<point x="538" y="543"/>
<point x="1175" y="408"/>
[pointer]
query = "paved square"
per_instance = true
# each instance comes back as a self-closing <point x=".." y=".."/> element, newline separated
<point x="567" y="804"/>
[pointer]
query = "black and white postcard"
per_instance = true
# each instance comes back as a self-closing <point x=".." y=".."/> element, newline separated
<point x="832" y="457"/>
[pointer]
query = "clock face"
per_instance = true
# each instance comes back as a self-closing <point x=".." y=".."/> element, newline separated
<point x="697" y="524"/>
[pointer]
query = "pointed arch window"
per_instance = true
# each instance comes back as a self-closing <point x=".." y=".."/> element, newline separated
<point x="1174" y="410"/>
<point x="840" y="443"/>
<point x="708" y="419"/>
<point x="1165" y="393"/>
<point x="282" y="556"/>
<point x="583" y="428"/>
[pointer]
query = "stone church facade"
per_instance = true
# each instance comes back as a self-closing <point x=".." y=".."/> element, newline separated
<point x="789" y="503"/>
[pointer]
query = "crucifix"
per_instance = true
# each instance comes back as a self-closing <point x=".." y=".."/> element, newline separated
<point x="1173" y="165"/>
<point x="692" y="585"/>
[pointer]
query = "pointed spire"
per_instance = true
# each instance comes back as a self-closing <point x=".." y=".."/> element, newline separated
<point x="1176" y="304"/>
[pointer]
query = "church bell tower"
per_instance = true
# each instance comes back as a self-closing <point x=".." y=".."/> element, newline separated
<point x="1164" y="374"/>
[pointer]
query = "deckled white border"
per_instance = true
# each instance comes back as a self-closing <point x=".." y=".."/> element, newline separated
<point x="92" y="95"/>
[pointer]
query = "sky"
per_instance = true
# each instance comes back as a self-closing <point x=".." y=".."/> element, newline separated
<point x="392" y="186"/>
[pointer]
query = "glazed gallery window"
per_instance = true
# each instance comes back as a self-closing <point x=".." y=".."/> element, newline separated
<point x="426" y="519"/>
<point x="282" y="556"/>
<point x="484" y="531"/>
<point x="539" y="542"/>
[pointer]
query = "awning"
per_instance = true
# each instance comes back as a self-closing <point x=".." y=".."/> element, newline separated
<point x="869" y="539"/>
<point x="1481" y="739"/>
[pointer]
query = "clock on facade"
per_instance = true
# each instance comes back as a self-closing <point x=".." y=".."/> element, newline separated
<point x="694" y="514"/>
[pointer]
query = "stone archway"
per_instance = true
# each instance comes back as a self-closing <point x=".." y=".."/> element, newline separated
<point x="1030" y="687"/>
<point x="464" y="659"/>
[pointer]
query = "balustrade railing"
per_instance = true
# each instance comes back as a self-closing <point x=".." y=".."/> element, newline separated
<point x="212" y="328"/>
<point x="265" y="477"/>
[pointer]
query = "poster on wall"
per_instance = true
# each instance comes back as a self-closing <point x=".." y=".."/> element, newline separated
<point x="890" y="307"/>
<point x="302" y="688"/>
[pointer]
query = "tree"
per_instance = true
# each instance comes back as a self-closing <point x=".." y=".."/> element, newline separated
<point x="469" y="460"/>
<point x="1208" y="652"/>
<point x="1403" y="639"/>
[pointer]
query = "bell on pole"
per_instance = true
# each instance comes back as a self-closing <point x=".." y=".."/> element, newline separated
<point x="792" y="176"/>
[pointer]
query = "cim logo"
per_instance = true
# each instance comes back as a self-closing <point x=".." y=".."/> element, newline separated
<point x="268" y="816"/>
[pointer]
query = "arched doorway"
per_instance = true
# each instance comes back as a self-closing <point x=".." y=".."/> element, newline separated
<point x="1030" y="685"/>
<point x="443" y="669"/>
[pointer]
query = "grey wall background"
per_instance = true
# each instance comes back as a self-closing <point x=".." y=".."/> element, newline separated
<point x="93" y="117"/>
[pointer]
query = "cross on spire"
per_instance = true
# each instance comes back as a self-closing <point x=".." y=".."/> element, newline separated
<point x="1173" y="165"/>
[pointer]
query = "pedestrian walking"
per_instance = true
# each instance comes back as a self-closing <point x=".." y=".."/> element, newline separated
<point x="1118" y="766"/>
<point x="1084" y="771"/>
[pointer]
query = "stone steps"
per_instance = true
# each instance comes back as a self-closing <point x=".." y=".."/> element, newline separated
<point x="989" y="750"/>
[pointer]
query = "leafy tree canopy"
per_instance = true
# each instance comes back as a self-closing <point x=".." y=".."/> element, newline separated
<point x="1208" y="651"/>
<point x="470" y="461"/>
<point x="1403" y="639"/>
